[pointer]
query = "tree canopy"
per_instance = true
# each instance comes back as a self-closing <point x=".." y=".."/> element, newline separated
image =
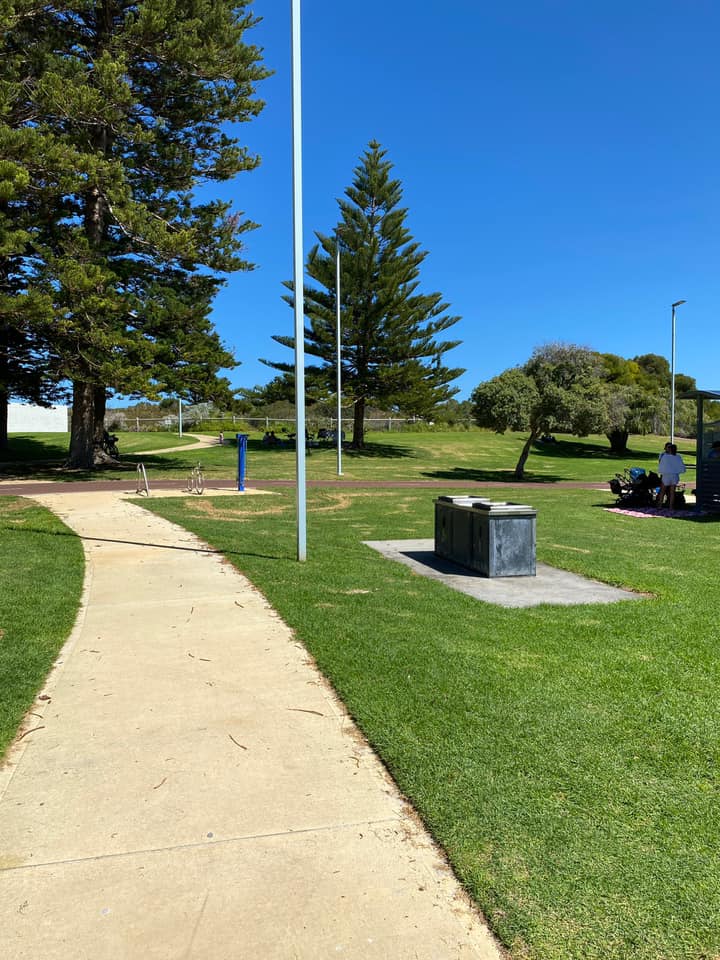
<point x="390" y="350"/>
<point x="555" y="390"/>
<point x="574" y="389"/>
<point x="112" y="115"/>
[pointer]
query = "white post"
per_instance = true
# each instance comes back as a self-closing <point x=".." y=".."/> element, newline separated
<point x="672" y="374"/>
<point x="338" y="336"/>
<point x="180" y="424"/>
<point x="672" y="380"/>
<point x="299" y="288"/>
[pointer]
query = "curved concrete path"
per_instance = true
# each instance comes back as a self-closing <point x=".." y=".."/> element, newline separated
<point x="200" y="440"/>
<point x="191" y="788"/>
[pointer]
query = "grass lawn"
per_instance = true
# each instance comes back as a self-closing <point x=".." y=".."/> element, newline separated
<point x="457" y="458"/>
<point x="41" y="455"/>
<point x="41" y="572"/>
<point x="567" y="758"/>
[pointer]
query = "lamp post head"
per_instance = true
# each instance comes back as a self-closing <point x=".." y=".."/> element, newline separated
<point x="678" y="302"/>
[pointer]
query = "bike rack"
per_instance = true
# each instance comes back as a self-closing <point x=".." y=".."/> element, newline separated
<point x="141" y="483"/>
<point x="196" y="480"/>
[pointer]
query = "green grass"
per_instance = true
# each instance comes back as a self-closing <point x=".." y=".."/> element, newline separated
<point x="41" y="572"/>
<point x="566" y="757"/>
<point x="31" y="448"/>
<point x="456" y="458"/>
<point x="41" y="455"/>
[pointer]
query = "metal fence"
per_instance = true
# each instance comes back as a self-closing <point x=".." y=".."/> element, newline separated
<point x="170" y="423"/>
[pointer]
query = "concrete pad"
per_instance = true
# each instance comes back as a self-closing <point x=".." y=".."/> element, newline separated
<point x="191" y="787"/>
<point x="549" y="585"/>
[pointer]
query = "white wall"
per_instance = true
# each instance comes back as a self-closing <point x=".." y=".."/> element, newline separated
<point x="27" y="418"/>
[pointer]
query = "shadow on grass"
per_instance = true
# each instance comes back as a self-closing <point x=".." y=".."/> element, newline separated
<point x="25" y="450"/>
<point x="166" y="463"/>
<point x="7" y="528"/>
<point x="687" y="514"/>
<point x="585" y="450"/>
<point x="381" y="451"/>
<point x="55" y="470"/>
<point x="470" y="475"/>
<point x="126" y="467"/>
<point x="554" y="453"/>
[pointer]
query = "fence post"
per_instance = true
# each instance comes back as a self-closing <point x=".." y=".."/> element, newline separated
<point x="242" y="439"/>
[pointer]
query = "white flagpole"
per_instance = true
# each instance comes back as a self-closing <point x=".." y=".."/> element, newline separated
<point x="298" y="272"/>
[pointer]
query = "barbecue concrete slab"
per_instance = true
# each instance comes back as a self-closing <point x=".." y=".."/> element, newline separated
<point x="190" y="787"/>
<point x="550" y="585"/>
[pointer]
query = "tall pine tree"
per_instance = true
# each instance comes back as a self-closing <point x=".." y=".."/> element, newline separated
<point x="29" y="159"/>
<point x="137" y="96"/>
<point x="390" y="354"/>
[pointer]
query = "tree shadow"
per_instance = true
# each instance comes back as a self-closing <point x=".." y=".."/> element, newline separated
<point x="381" y="451"/>
<point x="13" y="529"/>
<point x="687" y="514"/>
<point x="587" y="450"/>
<point x="474" y="475"/>
<point x="373" y="451"/>
<point x="52" y="470"/>
<point x="159" y="462"/>
<point x="26" y="450"/>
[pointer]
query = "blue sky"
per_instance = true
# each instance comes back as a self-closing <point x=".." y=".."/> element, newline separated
<point x="560" y="161"/>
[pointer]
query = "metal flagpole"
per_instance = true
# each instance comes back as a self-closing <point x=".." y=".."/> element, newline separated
<point x="672" y="373"/>
<point x="299" y="288"/>
<point x="338" y="334"/>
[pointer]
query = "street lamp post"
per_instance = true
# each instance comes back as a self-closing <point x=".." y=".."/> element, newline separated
<point x="338" y="337"/>
<point x="672" y="374"/>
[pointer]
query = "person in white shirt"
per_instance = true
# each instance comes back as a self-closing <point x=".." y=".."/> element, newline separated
<point x="670" y="467"/>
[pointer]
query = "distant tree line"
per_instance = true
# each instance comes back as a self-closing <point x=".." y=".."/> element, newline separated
<point x="567" y="388"/>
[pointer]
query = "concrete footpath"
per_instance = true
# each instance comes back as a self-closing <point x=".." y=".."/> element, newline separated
<point x="190" y="788"/>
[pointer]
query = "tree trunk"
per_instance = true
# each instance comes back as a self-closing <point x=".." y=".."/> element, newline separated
<point x="4" y="403"/>
<point x="100" y="456"/>
<point x="358" y="438"/>
<point x="618" y="440"/>
<point x="99" y="403"/>
<point x="82" y="427"/>
<point x="520" y="466"/>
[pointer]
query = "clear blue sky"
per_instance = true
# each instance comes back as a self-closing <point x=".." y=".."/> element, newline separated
<point x="560" y="162"/>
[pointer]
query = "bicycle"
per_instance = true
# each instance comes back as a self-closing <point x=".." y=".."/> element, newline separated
<point x="196" y="480"/>
<point x="109" y="444"/>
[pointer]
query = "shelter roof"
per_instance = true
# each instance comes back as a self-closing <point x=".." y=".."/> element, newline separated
<point x="700" y="395"/>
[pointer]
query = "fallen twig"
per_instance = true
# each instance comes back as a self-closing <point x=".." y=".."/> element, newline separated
<point x="23" y="735"/>
<point x="160" y="784"/>
<point x="242" y="746"/>
<point x="300" y="710"/>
